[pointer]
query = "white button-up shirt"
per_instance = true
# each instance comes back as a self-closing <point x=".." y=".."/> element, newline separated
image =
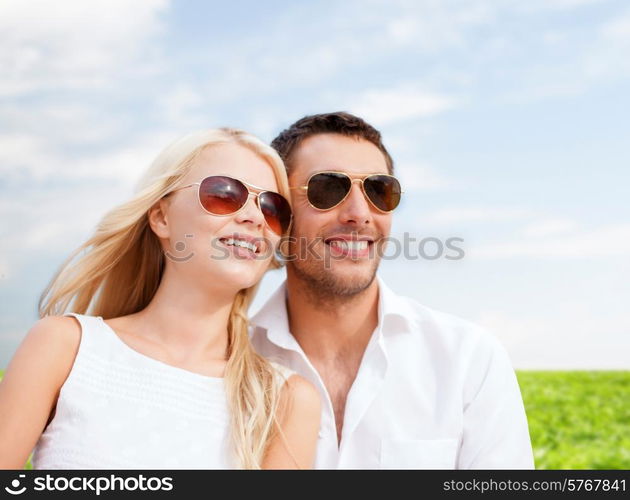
<point x="432" y="391"/>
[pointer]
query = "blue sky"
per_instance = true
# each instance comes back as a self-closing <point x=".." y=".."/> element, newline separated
<point x="508" y="123"/>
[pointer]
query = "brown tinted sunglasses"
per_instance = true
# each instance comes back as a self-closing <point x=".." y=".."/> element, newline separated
<point x="326" y="190"/>
<point x="224" y="195"/>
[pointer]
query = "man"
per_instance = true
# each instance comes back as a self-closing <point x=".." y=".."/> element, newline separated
<point x="403" y="386"/>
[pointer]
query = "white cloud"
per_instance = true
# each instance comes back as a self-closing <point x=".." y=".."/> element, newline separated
<point x="548" y="227"/>
<point x="32" y="220"/>
<point x="433" y="26"/>
<point x="73" y="44"/>
<point x="546" y="5"/>
<point x="585" y="57"/>
<point x="388" y="105"/>
<point x="459" y="215"/>
<point x="182" y="106"/>
<point x="307" y="47"/>
<point x="125" y="164"/>
<point x="65" y="197"/>
<point x="618" y="28"/>
<point x="606" y="241"/>
<point x="568" y="4"/>
<point x="417" y="177"/>
<point x="66" y="122"/>
<point x="554" y="38"/>
<point x="581" y="340"/>
<point x="23" y="154"/>
<point x="49" y="224"/>
<point x="32" y="157"/>
<point x="607" y="59"/>
<point x="4" y="269"/>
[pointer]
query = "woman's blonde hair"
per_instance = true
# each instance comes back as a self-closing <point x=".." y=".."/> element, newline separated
<point x="118" y="270"/>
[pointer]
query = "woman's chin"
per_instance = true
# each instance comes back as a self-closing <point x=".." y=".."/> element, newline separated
<point x="239" y="276"/>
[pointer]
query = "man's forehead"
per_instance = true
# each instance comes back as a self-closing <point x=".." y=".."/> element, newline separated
<point x="336" y="152"/>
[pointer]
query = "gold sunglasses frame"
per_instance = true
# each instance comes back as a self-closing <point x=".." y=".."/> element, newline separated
<point x="256" y="191"/>
<point x="354" y="179"/>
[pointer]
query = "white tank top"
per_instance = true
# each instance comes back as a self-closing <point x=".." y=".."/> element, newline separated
<point x="120" y="409"/>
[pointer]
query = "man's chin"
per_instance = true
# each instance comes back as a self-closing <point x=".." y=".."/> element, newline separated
<point x="337" y="278"/>
<point x="350" y="280"/>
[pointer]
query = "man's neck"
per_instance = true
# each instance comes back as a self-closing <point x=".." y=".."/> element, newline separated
<point x="340" y="324"/>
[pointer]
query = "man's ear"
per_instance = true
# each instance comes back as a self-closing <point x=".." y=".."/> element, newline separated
<point x="158" y="219"/>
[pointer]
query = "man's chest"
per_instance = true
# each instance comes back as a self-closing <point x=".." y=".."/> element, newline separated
<point x="338" y="379"/>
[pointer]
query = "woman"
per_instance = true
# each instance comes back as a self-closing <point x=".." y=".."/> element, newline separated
<point x="161" y="374"/>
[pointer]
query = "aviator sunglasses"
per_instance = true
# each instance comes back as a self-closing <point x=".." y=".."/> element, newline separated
<point x="326" y="190"/>
<point x="223" y="195"/>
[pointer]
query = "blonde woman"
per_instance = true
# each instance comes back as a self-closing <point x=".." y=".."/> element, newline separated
<point x="154" y="368"/>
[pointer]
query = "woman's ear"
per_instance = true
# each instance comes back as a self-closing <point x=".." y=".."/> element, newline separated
<point x="158" y="219"/>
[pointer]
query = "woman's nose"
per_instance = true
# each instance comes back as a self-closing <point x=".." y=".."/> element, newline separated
<point x="250" y="213"/>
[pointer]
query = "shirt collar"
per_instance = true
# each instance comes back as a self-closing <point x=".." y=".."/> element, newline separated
<point x="273" y="320"/>
<point x="394" y="312"/>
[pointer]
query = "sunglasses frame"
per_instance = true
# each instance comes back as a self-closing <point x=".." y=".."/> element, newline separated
<point x="354" y="179"/>
<point x="256" y="191"/>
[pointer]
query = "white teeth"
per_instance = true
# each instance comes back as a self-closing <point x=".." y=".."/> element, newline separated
<point x="354" y="246"/>
<point x="241" y="243"/>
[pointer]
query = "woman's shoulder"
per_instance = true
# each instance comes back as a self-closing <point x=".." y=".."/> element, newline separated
<point x="48" y="351"/>
<point x="298" y="390"/>
<point x="56" y="337"/>
<point x="304" y="393"/>
<point x="56" y="331"/>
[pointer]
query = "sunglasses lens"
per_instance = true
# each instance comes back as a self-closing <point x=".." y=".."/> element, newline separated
<point x="221" y="195"/>
<point x="327" y="189"/>
<point x="276" y="210"/>
<point x="384" y="191"/>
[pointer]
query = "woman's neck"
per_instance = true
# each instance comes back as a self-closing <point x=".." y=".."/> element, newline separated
<point x="191" y="323"/>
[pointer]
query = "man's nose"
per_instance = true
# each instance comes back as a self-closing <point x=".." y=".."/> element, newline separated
<point x="355" y="209"/>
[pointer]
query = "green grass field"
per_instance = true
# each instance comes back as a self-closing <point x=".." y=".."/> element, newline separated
<point x="577" y="419"/>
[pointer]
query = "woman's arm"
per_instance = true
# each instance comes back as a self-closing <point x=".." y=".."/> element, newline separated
<point x="293" y="446"/>
<point x="31" y="384"/>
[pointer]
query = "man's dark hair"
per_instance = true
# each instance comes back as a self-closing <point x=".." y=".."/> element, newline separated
<point x="339" y="122"/>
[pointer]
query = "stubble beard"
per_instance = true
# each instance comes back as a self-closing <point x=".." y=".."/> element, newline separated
<point x="326" y="288"/>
